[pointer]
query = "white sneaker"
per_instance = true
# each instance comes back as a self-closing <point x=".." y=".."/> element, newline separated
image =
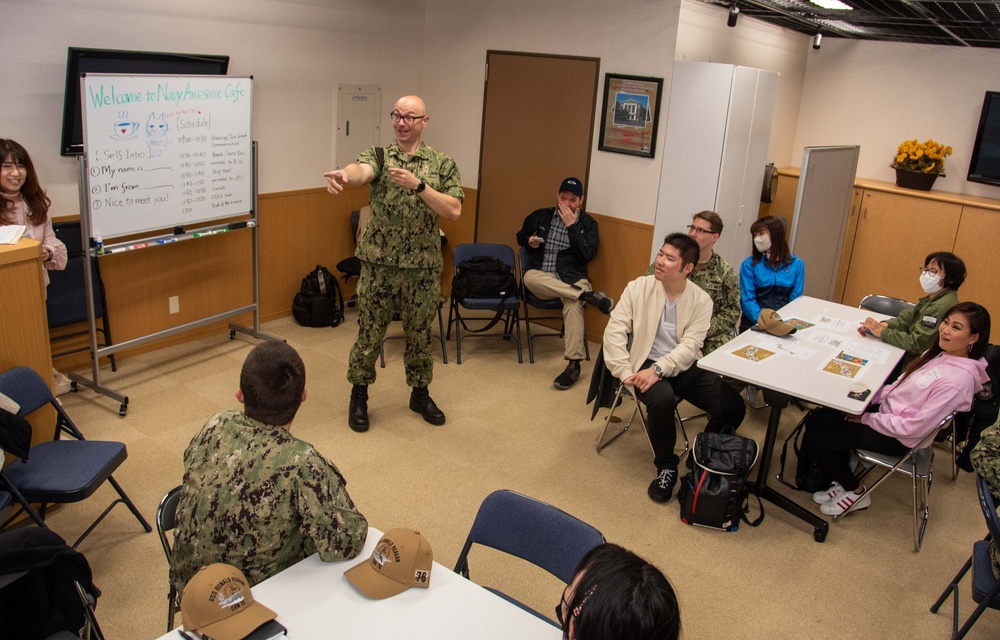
<point x="834" y="492"/>
<point x="61" y="384"/>
<point x="845" y="500"/>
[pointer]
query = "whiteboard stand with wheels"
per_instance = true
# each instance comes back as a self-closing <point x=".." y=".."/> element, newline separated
<point x="165" y="153"/>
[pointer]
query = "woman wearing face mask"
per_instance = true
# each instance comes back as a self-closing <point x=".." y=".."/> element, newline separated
<point x="771" y="277"/>
<point x="616" y="595"/>
<point x="915" y="329"/>
<point x="942" y="380"/>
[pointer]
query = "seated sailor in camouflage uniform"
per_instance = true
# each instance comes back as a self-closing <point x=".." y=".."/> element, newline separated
<point x="254" y="496"/>
<point x="411" y="186"/>
<point x="986" y="462"/>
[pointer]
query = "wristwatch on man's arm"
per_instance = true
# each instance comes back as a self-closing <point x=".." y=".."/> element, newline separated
<point x="657" y="370"/>
<point x="420" y="187"/>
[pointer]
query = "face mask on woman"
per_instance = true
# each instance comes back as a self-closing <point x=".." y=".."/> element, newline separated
<point x="930" y="282"/>
<point x="762" y="242"/>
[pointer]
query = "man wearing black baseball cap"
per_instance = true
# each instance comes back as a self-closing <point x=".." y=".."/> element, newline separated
<point x="560" y="241"/>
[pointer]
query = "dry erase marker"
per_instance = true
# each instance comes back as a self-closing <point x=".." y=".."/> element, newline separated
<point x="140" y="245"/>
<point x="220" y="231"/>
<point x="199" y="235"/>
<point x="165" y="241"/>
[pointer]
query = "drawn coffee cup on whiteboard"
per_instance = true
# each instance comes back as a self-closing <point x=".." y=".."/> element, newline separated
<point x="124" y="129"/>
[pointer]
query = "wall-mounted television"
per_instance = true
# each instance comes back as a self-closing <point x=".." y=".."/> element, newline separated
<point x="985" y="164"/>
<point x="80" y="61"/>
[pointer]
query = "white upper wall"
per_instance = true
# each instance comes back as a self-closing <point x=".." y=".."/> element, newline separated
<point x="634" y="37"/>
<point x="878" y="94"/>
<point x="297" y="52"/>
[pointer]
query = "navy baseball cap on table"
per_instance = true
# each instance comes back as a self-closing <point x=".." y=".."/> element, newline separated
<point x="573" y="185"/>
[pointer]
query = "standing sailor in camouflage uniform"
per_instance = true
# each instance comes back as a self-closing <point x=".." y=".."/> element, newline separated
<point x="716" y="278"/>
<point x="411" y="185"/>
<point x="254" y="496"/>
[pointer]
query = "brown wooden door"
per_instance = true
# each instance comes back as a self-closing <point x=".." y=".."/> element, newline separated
<point x="538" y="125"/>
<point x="895" y="234"/>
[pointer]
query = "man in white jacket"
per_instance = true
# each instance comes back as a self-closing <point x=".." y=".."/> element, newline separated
<point x="668" y="317"/>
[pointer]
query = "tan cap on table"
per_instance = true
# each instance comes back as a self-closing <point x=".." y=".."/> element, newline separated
<point x="217" y="603"/>
<point x="401" y="559"/>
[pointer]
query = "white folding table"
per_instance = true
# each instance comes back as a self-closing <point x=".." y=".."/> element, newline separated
<point x="313" y="599"/>
<point x="803" y="366"/>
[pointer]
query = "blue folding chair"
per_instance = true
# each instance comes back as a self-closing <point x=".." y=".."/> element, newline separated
<point x="58" y="471"/>
<point x="6" y="501"/>
<point x="532" y="530"/>
<point x="509" y="307"/>
<point x="985" y="586"/>
<point x="66" y="296"/>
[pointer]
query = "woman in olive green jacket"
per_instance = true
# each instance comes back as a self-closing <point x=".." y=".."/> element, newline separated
<point x="915" y="330"/>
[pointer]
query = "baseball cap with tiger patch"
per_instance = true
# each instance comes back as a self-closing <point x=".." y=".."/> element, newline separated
<point x="401" y="559"/>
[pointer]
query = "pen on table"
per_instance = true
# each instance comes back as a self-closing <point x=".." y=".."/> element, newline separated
<point x="184" y="635"/>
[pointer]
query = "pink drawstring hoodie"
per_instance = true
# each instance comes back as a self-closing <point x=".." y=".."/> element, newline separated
<point x="910" y="409"/>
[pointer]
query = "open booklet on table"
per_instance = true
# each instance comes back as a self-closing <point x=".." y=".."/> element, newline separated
<point x="11" y="233"/>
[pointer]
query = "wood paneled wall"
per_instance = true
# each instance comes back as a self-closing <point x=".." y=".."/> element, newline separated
<point x="623" y="256"/>
<point x="298" y="230"/>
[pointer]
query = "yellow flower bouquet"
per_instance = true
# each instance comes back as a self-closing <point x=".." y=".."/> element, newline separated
<point x="926" y="157"/>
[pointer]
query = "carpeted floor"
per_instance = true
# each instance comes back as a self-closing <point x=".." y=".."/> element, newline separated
<point x="509" y="428"/>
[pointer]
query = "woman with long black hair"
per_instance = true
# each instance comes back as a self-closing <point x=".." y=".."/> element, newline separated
<point x="942" y="380"/>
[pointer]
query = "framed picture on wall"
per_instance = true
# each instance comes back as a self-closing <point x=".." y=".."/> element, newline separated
<point x="630" y="115"/>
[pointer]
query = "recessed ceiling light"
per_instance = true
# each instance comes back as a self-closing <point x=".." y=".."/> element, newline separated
<point x="836" y="5"/>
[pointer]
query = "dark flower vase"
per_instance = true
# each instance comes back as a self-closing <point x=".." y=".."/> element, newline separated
<point x="915" y="180"/>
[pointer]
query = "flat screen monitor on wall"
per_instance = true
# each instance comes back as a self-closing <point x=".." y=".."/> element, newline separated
<point x="80" y="61"/>
<point x="985" y="164"/>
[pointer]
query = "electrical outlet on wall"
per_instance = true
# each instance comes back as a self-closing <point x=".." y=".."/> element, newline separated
<point x="175" y="304"/>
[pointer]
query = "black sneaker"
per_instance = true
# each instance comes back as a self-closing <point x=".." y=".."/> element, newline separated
<point x="568" y="377"/>
<point x="661" y="489"/>
<point x="598" y="300"/>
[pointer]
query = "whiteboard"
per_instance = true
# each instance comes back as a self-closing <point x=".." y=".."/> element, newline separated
<point x="822" y="205"/>
<point x="165" y="151"/>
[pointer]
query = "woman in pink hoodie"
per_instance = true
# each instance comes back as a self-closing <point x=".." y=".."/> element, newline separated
<point x="942" y="380"/>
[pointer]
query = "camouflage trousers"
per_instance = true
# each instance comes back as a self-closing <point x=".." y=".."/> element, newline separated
<point x="383" y="291"/>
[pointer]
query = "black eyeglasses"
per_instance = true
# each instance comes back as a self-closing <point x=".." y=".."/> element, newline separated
<point x="408" y="119"/>
<point x="691" y="227"/>
<point x="576" y="611"/>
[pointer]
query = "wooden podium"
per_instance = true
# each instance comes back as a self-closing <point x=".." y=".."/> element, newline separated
<point x="24" y="340"/>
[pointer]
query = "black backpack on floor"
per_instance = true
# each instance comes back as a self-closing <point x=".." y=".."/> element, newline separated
<point x="714" y="493"/>
<point x="319" y="302"/>
<point x="484" y="277"/>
